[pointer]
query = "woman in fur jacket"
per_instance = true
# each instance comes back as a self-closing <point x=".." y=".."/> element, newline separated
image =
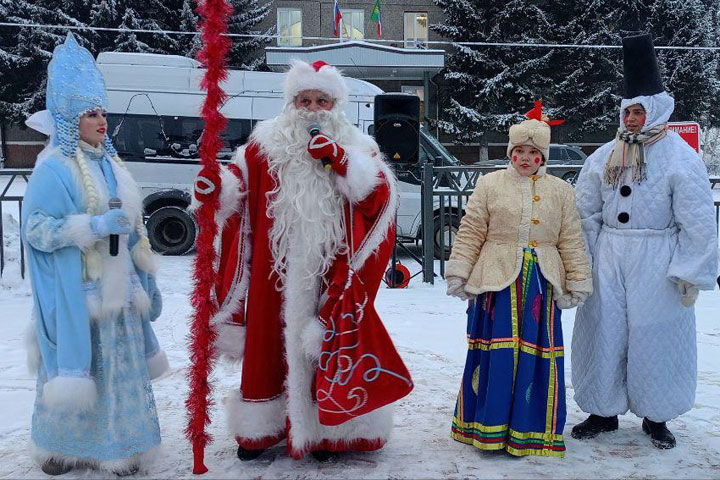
<point x="519" y="257"/>
<point x="94" y="348"/>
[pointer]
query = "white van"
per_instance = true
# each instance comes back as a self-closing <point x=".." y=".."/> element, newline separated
<point x="154" y="107"/>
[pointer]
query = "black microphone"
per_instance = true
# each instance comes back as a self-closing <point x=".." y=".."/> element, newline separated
<point x="313" y="130"/>
<point x="114" y="203"/>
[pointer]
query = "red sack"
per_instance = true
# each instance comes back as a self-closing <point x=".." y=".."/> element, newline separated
<point x="359" y="369"/>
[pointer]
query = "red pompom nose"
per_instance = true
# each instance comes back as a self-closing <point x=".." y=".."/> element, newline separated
<point x="318" y="65"/>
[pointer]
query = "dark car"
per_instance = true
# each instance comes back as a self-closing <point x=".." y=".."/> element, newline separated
<point x="565" y="162"/>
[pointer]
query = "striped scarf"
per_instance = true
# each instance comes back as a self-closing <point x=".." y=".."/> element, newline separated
<point x="629" y="153"/>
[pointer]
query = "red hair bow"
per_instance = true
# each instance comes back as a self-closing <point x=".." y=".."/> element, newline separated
<point x="536" y="114"/>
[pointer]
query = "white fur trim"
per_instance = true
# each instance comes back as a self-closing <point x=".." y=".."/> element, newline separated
<point x="235" y="297"/>
<point x="255" y="420"/>
<point x="141" y="301"/>
<point x="302" y="76"/>
<point x="458" y="268"/>
<point x="128" y="192"/>
<point x="230" y="188"/>
<point x="157" y="364"/>
<point x="78" y="230"/>
<point x="32" y="347"/>
<point x="362" y="174"/>
<point x="143" y="257"/>
<point x="300" y="311"/>
<point x="40" y="456"/>
<point x="311" y="339"/>
<point x="378" y="232"/>
<point x="70" y="393"/>
<point x="230" y="340"/>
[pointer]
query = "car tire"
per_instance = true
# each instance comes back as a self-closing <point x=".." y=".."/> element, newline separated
<point x="171" y="231"/>
<point x="571" y="177"/>
<point x="451" y="224"/>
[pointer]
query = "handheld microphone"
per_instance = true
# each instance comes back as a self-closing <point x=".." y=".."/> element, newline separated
<point x="114" y="203"/>
<point x="313" y="130"/>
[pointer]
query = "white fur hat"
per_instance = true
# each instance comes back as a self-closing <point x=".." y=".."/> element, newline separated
<point x="318" y="76"/>
<point x="534" y="133"/>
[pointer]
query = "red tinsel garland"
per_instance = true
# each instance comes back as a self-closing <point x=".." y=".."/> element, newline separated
<point x="213" y="26"/>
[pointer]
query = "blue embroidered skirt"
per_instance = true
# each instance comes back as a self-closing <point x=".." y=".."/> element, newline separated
<point x="512" y="394"/>
<point x="124" y="422"/>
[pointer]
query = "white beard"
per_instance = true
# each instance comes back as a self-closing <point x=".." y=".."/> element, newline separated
<point x="306" y="207"/>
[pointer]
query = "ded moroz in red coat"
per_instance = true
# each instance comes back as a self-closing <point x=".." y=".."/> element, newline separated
<point x="277" y="331"/>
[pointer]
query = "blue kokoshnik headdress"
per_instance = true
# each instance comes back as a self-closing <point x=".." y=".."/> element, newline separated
<point x="75" y="86"/>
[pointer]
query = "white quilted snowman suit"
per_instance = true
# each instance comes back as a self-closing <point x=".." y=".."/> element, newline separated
<point x="634" y="345"/>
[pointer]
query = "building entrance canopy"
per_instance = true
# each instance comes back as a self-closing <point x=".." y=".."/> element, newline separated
<point x="363" y="60"/>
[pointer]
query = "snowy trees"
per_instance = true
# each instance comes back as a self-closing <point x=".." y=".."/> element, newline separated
<point x="489" y="85"/>
<point x="247" y="15"/>
<point x="25" y="52"/>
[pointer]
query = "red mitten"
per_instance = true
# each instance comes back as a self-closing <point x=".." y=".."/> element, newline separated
<point x="207" y="185"/>
<point x="321" y="147"/>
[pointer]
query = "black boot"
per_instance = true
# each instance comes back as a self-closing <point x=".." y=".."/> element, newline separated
<point x="127" y="471"/>
<point x="51" y="467"/>
<point x="593" y="426"/>
<point x="660" y="436"/>
<point x="322" y="455"/>
<point x="246" y="455"/>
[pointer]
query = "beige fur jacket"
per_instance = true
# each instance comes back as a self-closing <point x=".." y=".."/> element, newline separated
<point x="508" y="212"/>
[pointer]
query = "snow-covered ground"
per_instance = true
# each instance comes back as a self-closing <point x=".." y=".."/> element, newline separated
<point x="429" y="329"/>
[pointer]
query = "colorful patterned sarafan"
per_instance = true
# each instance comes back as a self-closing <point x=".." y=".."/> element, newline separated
<point x="512" y="394"/>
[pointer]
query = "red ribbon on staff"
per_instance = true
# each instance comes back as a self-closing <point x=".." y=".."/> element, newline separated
<point x="213" y="27"/>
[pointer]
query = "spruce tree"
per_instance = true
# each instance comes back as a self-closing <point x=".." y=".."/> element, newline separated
<point x="128" y="41"/>
<point x="492" y="86"/>
<point x="25" y="53"/>
<point x="188" y="23"/>
<point x="246" y="52"/>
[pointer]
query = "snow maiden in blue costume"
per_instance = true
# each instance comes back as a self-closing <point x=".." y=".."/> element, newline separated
<point x="518" y="257"/>
<point x="96" y="351"/>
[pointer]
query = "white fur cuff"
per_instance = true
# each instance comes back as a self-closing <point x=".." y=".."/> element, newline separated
<point x="230" y="340"/>
<point x="79" y="231"/>
<point x="70" y="393"/>
<point x="458" y="268"/>
<point x="311" y="339"/>
<point x="254" y="420"/>
<point x="32" y="347"/>
<point x="157" y="364"/>
<point x="362" y="175"/>
<point x="230" y="193"/>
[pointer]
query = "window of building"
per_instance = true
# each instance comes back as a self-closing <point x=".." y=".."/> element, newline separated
<point x="416" y="29"/>
<point x="353" y="24"/>
<point x="289" y="27"/>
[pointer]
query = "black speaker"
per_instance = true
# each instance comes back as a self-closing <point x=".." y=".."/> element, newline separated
<point x="397" y="126"/>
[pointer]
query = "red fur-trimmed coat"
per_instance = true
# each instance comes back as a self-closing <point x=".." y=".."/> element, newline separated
<point x="277" y="333"/>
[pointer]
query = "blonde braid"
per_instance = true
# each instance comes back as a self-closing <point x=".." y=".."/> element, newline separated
<point x="142" y="252"/>
<point x="91" y="195"/>
<point x="93" y="263"/>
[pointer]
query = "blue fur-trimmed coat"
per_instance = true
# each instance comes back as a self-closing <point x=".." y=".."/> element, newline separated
<point x="56" y="231"/>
